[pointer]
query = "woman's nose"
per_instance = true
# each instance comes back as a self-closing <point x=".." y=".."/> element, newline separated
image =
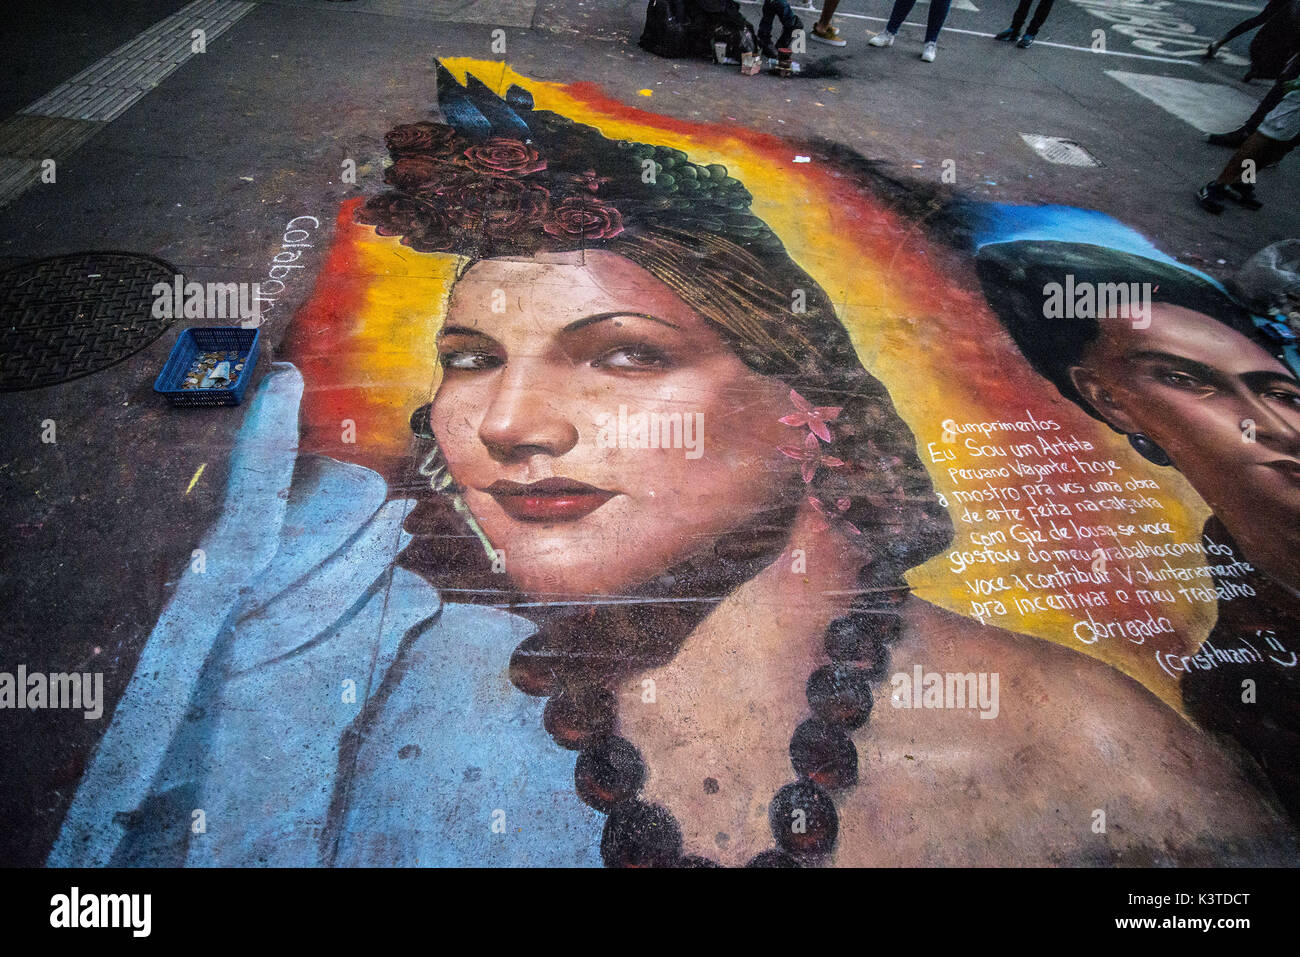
<point x="1274" y="428"/>
<point x="521" y="421"/>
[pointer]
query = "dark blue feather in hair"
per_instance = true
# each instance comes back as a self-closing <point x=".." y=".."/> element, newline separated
<point x="476" y="112"/>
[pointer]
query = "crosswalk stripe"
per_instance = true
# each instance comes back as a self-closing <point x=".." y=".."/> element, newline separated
<point x="1209" y="107"/>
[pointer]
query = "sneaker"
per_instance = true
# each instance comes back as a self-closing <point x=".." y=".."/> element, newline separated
<point x="1010" y="33"/>
<point x="1208" y="198"/>
<point x="1243" y="194"/>
<point x="829" y="34"/>
<point x="882" y="39"/>
<point x="1026" y="41"/>
<point x="928" y="53"/>
<point x="1232" y="139"/>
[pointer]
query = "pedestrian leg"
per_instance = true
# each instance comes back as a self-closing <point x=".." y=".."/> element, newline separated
<point x="765" y="25"/>
<point x="896" y="17"/>
<point x="828" y="11"/>
<point x="824" y="30"/>
<point x="1022" y="13"/>
<point x="1040" y="15"/>
<point x="789" y="23"/>
<point x="934" y="22"/>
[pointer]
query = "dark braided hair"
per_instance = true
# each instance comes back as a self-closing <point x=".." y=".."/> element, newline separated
<point x="502" y="179"/>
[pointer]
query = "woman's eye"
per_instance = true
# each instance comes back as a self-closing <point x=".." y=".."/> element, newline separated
<point x="632" y="358"/>
<point x="468" y="360"/>
<point x="1181" y="380"/>
<point x="1288" y="396"/>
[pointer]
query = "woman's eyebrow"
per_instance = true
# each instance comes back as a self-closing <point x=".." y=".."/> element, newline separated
<point x="1267" y="378"/>
<point x="601" y="317"/>
<point x="1191" y="365"/>
<point x="461" y="331"/>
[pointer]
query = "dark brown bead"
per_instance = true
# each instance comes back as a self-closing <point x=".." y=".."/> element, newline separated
<point x="535" y="669"/>
<point x="576" y="715"/>
<point x="862" y="638"/>
<point x="840" y="694"/>
<point x="638" y="834"/>
<point x="609" y="771"/>
<point x="804" y="821"/>
<point x="824" y="754"/>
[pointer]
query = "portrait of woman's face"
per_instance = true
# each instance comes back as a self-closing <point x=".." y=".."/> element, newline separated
<point x="544" y="359"/>
<point x="1198" y="389"/>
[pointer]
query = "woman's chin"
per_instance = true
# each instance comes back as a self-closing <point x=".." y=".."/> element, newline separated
<point x="563" y="574"/>
<point x="567" y="562"/>
<point x="562" y="583"/>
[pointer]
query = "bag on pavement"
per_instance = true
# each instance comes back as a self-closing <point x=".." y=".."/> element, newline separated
<point x="681" y="28"/>
<point x="1269" y="281"/>
<point x="668" y="29"/>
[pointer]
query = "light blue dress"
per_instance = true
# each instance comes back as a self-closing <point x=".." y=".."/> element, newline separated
<point x="302" y="701"/>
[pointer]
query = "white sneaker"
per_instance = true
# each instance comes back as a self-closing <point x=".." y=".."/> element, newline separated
<point x="882" y="39"/>
<point x="928" y="53"/>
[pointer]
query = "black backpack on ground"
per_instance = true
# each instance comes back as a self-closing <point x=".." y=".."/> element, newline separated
<point x="668" y="29"/>
<point x="681" y="28"/>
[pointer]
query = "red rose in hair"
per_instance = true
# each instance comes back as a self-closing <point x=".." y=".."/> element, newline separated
<point x="424" y="137"/>
<point x="501" y="207"/>
<point x="420" y="226"/>
<point x="583" y="218"/>
<point x="415" y="172"/>
<point x="504" y="156"/>
<point x="392" y="214"/>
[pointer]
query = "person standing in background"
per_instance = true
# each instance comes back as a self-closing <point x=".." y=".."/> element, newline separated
<point x="933" y="24"/>
<point x="823" y="30"/>
<point x="1245" y="26"/>
<point x="1276" y="136"/>
<point x="1235" y="138"/>
<point x="1018" y="20"/>
<point x="777" y="10"/>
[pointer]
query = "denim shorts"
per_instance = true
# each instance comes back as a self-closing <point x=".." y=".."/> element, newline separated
<point x="1283" y="122"/>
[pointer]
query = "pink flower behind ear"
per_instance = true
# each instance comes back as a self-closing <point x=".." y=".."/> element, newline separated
<point x="815" y="418"/>
<point x="822" y="520"/>
<point x="811" y="456"/>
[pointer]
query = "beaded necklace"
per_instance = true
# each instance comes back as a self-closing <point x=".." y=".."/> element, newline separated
<point x="581" y="715"/>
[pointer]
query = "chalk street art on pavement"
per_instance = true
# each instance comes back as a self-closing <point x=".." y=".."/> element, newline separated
<point x="702" y="507"/>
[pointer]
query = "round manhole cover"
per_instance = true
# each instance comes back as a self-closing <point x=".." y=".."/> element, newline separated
<point x="69" y="316"/>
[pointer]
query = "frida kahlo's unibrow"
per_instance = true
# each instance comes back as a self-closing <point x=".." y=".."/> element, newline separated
<point x="1254" y="379"/>
<point x="574" y="326"/>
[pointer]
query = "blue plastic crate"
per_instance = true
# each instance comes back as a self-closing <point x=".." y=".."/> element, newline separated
<point x="201" y="339"/>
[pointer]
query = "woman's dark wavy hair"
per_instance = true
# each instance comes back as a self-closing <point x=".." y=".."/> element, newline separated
<point x="1015" y="276"/>
<point x="500" y="178"/>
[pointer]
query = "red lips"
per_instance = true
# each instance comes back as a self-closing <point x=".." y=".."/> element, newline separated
<point x="549" y="500"/>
